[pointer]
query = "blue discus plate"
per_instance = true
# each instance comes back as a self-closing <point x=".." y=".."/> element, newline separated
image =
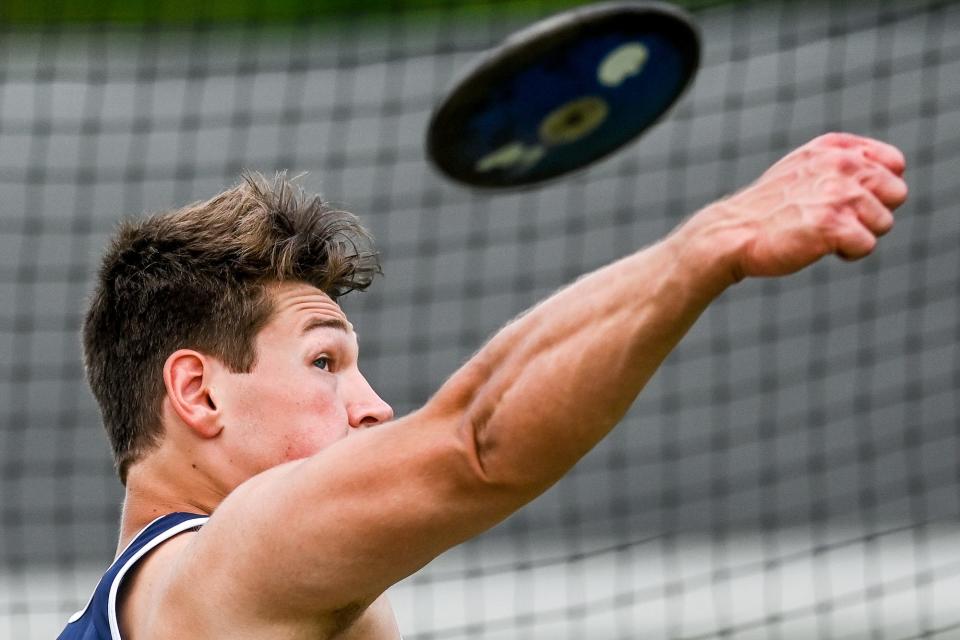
<point x="563" y="93"/>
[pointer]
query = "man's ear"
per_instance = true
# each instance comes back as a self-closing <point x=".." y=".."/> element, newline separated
<point x="186" y="375"/>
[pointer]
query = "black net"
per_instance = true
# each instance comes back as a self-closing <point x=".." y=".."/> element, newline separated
<point x="793" y="471"/>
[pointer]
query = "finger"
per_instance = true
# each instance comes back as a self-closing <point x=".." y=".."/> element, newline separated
<point x="854" y="241"/>
<point x="890" y="189"/>
<point x="873" y="214"/>
<point x="886" y="154"/>
<point x="877" y="150"/>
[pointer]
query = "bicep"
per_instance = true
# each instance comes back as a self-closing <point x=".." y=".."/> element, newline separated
<point x="338" y="528"/>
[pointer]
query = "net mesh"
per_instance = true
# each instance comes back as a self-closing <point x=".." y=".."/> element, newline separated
<point x="793" y="470"/>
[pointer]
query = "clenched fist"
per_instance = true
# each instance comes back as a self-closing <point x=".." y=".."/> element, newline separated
<point x="834" y="195"/>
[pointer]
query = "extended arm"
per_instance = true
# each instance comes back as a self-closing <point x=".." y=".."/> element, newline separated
<point x="333" y="531"/>
<point x="557" y="379"/>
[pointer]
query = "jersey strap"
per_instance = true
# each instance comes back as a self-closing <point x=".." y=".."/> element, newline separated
<point x="98" y="619"/>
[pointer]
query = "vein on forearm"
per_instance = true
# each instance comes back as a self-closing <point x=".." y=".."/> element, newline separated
<point x="565" y="373"/>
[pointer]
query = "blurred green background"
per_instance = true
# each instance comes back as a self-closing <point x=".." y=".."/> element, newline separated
<point x="172" y="12"/>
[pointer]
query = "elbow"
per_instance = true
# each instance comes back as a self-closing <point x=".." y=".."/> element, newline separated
<point x="489" y="438"/>
<point x="473" y="431"/>
<point x="465" y="400"/>
<point x="497" y="465"/>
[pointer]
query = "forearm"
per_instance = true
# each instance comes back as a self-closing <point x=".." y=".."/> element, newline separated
<point x="553" y="382"/>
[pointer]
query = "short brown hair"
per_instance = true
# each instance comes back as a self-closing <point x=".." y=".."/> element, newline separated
<point x="197" y="278"/>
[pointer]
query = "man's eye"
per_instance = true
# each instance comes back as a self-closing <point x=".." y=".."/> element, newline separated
<point x="322" y="362"/>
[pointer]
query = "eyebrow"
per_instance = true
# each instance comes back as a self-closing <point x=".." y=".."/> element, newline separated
<point x="325" y="323"/>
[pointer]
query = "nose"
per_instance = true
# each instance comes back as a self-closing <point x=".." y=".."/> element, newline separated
<point x="364" y="407"/>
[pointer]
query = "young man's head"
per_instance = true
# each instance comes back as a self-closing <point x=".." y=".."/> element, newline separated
<point x="218" y="323"/>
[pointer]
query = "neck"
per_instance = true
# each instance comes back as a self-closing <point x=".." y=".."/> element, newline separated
<point x="158" y="485"/>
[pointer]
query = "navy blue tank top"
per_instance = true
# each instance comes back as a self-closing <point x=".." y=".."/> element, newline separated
<point x="98" y="620"/>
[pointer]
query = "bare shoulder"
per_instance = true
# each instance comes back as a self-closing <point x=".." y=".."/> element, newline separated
<point x="160" y="598"/>
<point x="177" y="592"/>
<point x="192" y="586"/>
<point x="145" y="584"/>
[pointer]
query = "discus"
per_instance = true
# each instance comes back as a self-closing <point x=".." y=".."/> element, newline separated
<point x="563" y="93"/>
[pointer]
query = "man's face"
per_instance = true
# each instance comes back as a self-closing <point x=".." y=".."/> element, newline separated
<point x="304" y="392"/>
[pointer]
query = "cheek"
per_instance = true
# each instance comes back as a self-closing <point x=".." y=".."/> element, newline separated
<point x="323" y="422"/>
<point x="277" y="417"/>
<point x="315" y="423"/>
<point x="304" y="443"/>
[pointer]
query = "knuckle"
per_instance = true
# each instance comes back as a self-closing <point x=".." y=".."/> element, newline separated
<point x="846" y="162"/>
<point x="826" y="140"/>
<point x="835" y="139"/>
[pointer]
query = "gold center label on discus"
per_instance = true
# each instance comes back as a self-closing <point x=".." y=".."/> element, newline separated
<point x="574" y="120"/>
